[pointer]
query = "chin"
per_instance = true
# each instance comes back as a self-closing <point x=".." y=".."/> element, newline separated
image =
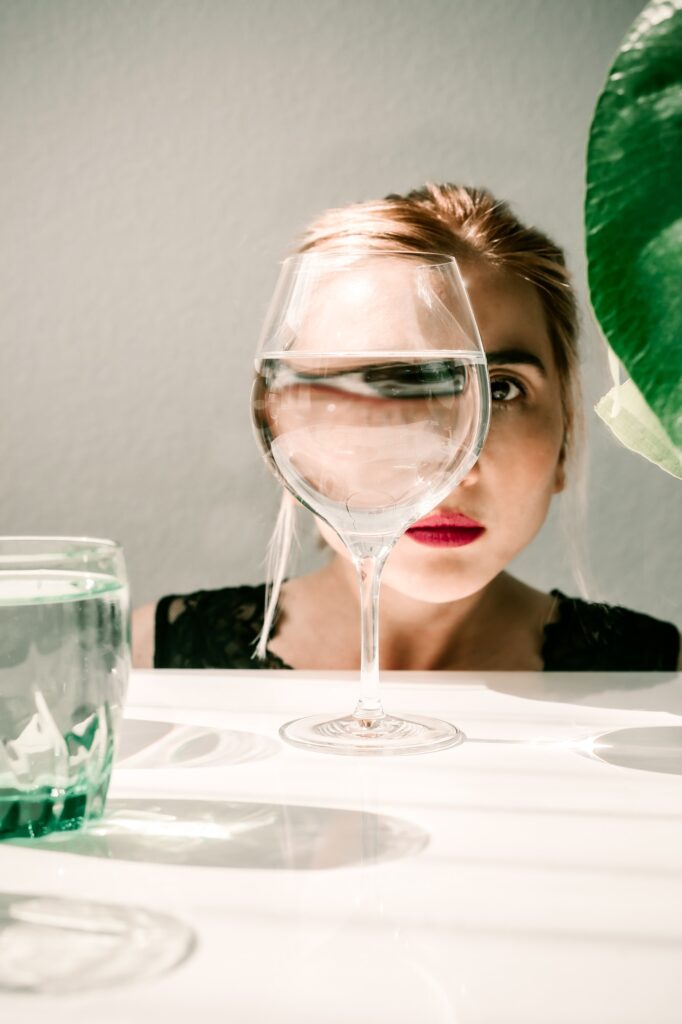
<point x="436" y="588"/>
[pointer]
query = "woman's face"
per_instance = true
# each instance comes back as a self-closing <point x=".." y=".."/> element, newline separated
<point x="509" y="490"/>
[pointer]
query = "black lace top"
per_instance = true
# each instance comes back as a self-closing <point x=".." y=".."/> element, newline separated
<point x="219" y="628"/>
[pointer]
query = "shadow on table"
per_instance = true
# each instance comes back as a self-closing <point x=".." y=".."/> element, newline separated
<point x="221" y="834"/>
<point x="151" y="744"/>
<point x="653" y="749"/>
<point x="55" y="946"/>
<point x="628" y="691"/>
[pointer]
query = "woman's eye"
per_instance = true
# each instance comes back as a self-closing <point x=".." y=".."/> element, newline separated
<point x="505" y="390"/>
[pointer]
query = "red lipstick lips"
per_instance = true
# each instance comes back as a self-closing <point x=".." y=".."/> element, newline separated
<point x="446" y="529"/>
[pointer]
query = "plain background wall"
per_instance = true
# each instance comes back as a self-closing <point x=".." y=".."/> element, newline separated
<point x="157" y="159"/>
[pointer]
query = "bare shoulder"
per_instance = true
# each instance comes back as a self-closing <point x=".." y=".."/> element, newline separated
<point x="143" y="636"/>
<point x="527" y="600"/>
<point x="317" y="605"/>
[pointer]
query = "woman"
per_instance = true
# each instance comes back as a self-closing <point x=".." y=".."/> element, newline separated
<point x="447" y="601"/>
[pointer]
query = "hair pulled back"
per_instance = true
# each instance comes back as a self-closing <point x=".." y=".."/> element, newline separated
<point x="471" y="225"/>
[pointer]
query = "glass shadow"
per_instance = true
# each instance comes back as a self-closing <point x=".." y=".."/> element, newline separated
<point x="55" y="946"/>
<point x="152" y="744"/>
<point x="627" y="691"/>
<point x="652" y="749"/>
<point x="221" y="834"/>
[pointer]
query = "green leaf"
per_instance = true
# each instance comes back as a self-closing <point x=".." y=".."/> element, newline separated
<point x="633" y="210"/>
<point x="624" y="410"/>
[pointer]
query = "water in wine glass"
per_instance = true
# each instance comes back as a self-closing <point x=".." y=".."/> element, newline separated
<point x="370" y="441"/>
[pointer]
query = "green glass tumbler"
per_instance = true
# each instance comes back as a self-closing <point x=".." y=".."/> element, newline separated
<point x="64" y="666"/>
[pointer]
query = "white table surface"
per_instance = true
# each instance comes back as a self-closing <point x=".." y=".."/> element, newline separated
<point x="533" y="874"/>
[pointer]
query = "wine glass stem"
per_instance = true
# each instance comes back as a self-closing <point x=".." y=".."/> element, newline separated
<point x="369" y="568"/>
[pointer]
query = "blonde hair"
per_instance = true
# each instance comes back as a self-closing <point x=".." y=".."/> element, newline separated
<point x="471" y="225"/>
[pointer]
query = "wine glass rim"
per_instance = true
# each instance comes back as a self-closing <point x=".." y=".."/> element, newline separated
<point x="82" y="541"/>
<point x="300" y="257"/>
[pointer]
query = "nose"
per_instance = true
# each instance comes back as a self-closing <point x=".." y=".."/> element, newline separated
<point x="472" y="477"/>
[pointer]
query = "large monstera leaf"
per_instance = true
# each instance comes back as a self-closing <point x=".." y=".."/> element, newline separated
<point x="633" y="219"/>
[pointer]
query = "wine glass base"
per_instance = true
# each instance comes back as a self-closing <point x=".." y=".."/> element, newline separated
<point x="387" y="735"/>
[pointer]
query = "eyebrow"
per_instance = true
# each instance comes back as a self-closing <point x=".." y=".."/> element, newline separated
<point x="505" y="356"/>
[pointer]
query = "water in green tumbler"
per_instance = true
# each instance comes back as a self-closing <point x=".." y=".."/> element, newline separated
<point x="64" y="664"/>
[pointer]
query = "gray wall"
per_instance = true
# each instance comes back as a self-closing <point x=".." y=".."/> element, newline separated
<point x="157" y="158"/>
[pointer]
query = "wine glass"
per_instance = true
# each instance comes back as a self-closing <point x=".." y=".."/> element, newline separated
<point x="370" y="402"/>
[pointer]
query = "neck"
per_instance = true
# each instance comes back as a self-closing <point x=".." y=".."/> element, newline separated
<point x="422" y="636"/>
